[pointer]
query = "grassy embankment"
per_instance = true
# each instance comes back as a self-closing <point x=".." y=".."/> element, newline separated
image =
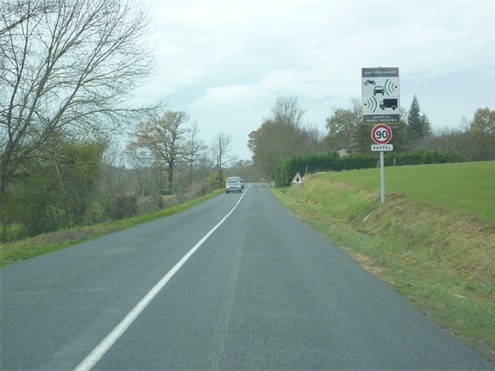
<point x="433" y="240"/>
<point x="28" y="248"/>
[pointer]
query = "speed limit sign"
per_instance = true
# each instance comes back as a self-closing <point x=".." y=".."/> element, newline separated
<point x="381" y="134"/>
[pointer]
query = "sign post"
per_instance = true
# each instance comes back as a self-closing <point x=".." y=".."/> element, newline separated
<point x="381" y="135"/>
<point x="381" y="106"/>
<point x="382" y="179"/>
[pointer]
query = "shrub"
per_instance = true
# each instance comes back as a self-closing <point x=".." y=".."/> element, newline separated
<point x="12" y="232"/>
<point x="123" y="206"/>
<point x="157" y="203"/>
<point x="95" y="213"/>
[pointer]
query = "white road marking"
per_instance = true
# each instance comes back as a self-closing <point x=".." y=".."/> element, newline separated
<point x="90" y="361"/>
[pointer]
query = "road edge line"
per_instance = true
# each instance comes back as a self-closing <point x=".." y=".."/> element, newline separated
<point x="104" y="346"/>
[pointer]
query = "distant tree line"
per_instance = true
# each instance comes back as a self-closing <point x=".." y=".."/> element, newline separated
<point x="475" y="141"/>
<point x="283" y="146"/>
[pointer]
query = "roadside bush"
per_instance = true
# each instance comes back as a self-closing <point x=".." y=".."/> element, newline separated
<point x="216" y="180"/>
<point x="95" y="213"/>
<point x="170" y="201"/>
<point x="151" y="204"/>
<point x="123" y="206"/>
<point x="200" y="189"/>
<point x="12" y="232"/>
<point x="157" y="203"/>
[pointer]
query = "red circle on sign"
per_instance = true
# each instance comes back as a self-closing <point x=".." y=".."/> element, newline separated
<point x="381" y="134"/>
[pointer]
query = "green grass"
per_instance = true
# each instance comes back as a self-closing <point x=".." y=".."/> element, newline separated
<point x="437" y="252"/>
<point x="465" y="187"/>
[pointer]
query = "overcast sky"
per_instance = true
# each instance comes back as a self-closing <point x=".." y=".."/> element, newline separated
<point x="226" y="62"/>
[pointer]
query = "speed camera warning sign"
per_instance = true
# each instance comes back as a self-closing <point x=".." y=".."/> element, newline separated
<point x="380" y="94"/>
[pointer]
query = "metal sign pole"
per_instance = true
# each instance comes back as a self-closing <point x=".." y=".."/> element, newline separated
<point x="382" y="179"/>
<point x="381" y="135"/>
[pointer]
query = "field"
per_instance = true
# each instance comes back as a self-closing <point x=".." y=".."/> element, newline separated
<point x="465" y="187"/>
<point x="433" y="240"/>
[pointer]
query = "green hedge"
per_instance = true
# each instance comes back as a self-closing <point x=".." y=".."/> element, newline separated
<point x="331" y="161"/>
<point x="422" y="157"/>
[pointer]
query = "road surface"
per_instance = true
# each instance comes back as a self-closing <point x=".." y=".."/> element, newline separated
<point x="233" y="283"/>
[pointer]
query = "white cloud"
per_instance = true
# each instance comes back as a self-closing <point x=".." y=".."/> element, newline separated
<point x="229" y="97"/>
<point x="228" y="56"/>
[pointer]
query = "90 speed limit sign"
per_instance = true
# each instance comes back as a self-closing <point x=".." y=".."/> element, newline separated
<point x="381" y="134"/>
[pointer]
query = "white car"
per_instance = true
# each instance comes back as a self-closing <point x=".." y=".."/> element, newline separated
<point x="233" y="184"/>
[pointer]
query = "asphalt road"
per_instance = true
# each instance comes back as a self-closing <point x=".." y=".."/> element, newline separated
<point x="260" y="291"/>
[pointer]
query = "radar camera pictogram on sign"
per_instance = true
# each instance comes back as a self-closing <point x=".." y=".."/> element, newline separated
<point x="380" y="95"/>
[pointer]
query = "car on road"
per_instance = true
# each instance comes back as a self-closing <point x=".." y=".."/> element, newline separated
<point x="233" y="184"/>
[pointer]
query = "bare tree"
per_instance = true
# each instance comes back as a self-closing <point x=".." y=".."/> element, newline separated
<point x="164" y="138"/>
<point x="65" y="67"/>
<point x="219" y="149"/>
<point x="196" y="150"/>
<point x="113" y="173"/>
<point x="286" y="111"/>
<point x="142" y="166"/>
<point x="12" y="14"/>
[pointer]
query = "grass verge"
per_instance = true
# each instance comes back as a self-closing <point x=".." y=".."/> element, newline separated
<point x="467" y="187"/>
<point x="14" y="252"/>
<point x="439" y="259"/>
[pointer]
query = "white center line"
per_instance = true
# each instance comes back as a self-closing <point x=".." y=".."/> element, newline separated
<point x="90" y="361"/>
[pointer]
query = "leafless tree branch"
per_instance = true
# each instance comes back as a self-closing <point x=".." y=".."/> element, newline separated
<point x="67" y="66"/>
